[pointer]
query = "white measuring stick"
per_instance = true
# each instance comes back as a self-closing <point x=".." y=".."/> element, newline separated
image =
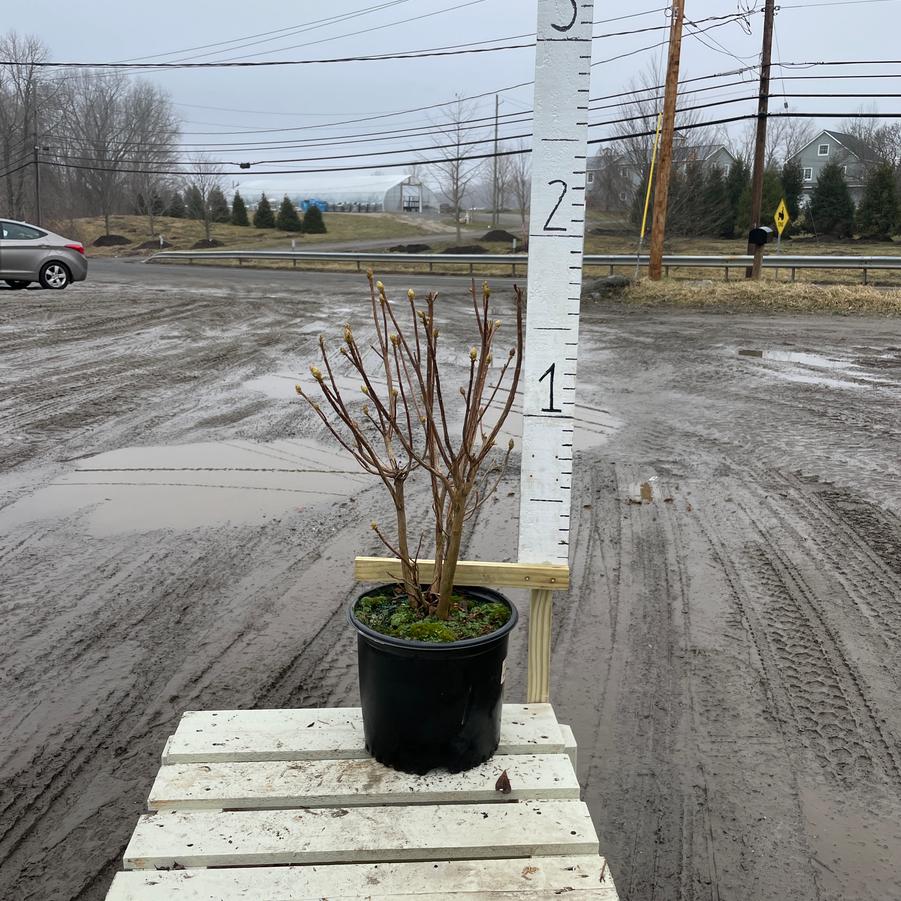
<point x="556" y="241"/>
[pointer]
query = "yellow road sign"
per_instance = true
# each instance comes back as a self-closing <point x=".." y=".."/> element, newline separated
<point x="781" y="217"/>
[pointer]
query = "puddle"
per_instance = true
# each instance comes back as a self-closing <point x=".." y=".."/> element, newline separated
<point x="814" y="369"/>
<point x="189" y="486"/>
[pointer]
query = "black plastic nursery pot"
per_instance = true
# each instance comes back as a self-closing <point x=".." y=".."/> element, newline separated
<point x="428" y="705"/>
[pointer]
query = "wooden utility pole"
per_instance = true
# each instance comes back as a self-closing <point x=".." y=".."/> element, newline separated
<point x="763" y="108"/>
<point x="495" y="218"/>
<point x="37" y="174"/>
<point x="661" y="192"/>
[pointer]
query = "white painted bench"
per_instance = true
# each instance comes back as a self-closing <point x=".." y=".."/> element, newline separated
<point x="285" y="805"/>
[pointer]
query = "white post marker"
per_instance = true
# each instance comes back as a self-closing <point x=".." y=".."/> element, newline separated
<point x="556" y="243"/>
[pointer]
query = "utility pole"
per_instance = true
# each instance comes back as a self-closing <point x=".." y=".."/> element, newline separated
<point x="37" y="175"/>
<point x="661" y="193"/>
<point x="763" y="107"/>
<point x="495" y="219"/>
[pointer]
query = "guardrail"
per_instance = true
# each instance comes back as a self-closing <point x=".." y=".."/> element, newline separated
<point x="670" y="261"/>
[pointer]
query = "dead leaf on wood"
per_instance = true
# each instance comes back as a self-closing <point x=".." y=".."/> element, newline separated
<point x="503" y="784"/>
<point x="647" y="495"/>
<point x="527" y="872"/>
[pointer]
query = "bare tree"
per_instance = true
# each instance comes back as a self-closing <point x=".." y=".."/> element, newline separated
<point x="520" y="181"/>
<point x="20" y="114"/>
<point x="156" y="133"/>
<point x="785" y="136"/>
<point x="204" y="178"/>
<point x="456" y="170"/>
<point x="882" y="137"/>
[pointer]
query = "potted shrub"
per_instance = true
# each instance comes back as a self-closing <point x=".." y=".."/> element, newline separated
<point x="431" y="655"/>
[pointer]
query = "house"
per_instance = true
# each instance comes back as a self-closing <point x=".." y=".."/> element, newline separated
<point x="854" y="156"/>
<point x="612" y="179"/>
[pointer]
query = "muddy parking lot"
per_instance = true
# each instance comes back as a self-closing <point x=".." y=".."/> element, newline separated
<point x="728" y="656"/>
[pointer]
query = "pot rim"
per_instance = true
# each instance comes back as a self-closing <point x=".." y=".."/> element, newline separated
<point x="436" y="646"/>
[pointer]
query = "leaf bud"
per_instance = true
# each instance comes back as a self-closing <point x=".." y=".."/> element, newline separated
<point x="380" y="287"/>
<point x="497" y="323"/>
<point x="489" y="358"/>
<point x="374" y="526"/>
<point x="299" y="390"/>
<point x="473" y="354"/>
<point x="370" y="274"/>
<point x="510" y="445"/>
<point x="365" y="409"/>
<point x="486" y="291"/>
<point x="394" y="392"/>
<point x="395" y="340"/>
<point x="365" y="390"/>
<point x="411" y="294"/>
<point x="316" y="372"/>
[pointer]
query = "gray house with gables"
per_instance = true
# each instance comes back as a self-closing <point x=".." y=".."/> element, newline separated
<point x="854" y="156"/>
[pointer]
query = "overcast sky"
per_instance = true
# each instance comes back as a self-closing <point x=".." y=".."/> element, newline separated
<point x="216" y="103"/>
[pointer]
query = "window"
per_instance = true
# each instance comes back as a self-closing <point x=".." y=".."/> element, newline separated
<point x="808" y="174"/>
<point x="823" y="150"/>
<point x="12" y="231"/>
<point x="624" y="171"/>
<point x="844" y="170"/>
<point x="590" y="178"/>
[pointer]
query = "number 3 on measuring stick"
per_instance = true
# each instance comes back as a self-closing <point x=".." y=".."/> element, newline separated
<point x="572" y="21"/>
<point x="550" y="408"/>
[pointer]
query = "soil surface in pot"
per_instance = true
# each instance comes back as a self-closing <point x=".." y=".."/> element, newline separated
<point x="391" y="613"/>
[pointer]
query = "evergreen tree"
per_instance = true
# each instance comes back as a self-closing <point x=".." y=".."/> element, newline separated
<point x="877" y="216"/>
<point x="792" y="188"/>
<point x="239" y="210"/>
<point x="716" y="210"/>
<point x="287" y="219"/>
<point x="831" y="208"/>
<point x="219" y="211"/>
<point x="195" y="208"/>
<point x="312" y="221"/>
<point x="772" y="195"/>
<point x="735" y="183"/>
<point x="177" y="206"/>
<point x="262" y="217"/>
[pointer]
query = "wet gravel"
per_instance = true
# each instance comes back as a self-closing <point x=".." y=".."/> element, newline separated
<point x="728" y="655"/>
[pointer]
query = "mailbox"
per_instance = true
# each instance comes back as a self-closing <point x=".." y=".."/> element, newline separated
<point x="760" y="236"/>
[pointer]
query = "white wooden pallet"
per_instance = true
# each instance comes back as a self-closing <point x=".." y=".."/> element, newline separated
<point x="285" y="805"/>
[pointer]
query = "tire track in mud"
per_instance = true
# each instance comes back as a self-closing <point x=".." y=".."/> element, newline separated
<point x="850" y="549"/>
<point x="812" y="682"/>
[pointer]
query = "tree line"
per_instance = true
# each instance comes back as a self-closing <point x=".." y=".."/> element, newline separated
<point x="102" y="141"/>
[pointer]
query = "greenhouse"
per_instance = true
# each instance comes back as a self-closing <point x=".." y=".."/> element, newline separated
<point x="351" y="193"/>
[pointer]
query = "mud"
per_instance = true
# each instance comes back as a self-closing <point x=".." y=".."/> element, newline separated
<point x="728" y="655"/>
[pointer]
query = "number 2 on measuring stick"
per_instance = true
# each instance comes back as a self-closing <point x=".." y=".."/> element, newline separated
<point x="550" y="408"/>
<point x="547" y="223"/>
<point x="572" y="21"/>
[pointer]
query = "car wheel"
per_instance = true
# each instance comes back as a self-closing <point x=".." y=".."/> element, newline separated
<point x="54" y="275"/>
<point x="16" y="284"/>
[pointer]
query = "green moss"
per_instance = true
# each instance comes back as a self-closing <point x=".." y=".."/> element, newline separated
<point x="391" y="614"/>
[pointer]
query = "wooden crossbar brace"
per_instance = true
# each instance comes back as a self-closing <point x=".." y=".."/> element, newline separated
<point x="542" y="579"/>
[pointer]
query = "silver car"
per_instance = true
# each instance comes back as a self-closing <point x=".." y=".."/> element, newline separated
<point x="31" y="254"/>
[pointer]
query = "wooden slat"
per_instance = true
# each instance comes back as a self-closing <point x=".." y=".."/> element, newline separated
<point x="471" y="572"/>
<point x="570" y="746"/>
<point x="361" y="834"/>
<point x="538" y="877"/>
<point x="327" y="733"/>
<point x="355" y="783"/>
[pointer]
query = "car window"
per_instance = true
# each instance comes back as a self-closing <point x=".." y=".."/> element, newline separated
<point x="12" y="231"/>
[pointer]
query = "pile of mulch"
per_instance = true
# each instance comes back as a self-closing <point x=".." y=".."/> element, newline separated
<point x="111" y="241"/>
<point x="410" y="248"/>
<point x="466" y="248"/>
<point x="153" y="245"/>
<point x="499" y="234"/>
<point x="206" y="245"/>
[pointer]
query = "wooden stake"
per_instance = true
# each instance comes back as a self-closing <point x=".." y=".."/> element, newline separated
<point x="661" y="194"/>
<point x="538" y="685"/>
